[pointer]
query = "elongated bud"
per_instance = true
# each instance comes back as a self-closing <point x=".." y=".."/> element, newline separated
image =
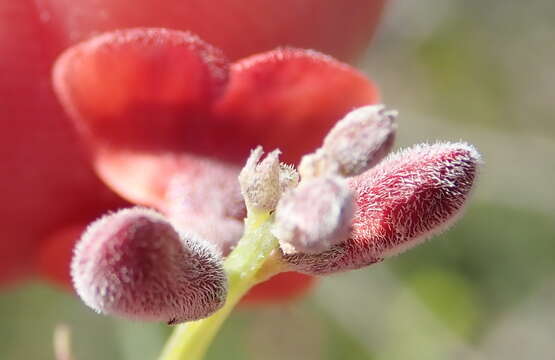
<point x="361" y="139"/>
<point x="355" y="144"/>
<point x="314" y="216"/>
<point x="409" y="197"/>
<point x="260" y="180"/>
<point x="134" y="264"/>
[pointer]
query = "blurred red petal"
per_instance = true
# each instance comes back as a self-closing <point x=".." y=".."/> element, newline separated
<point x="239" y="27"/>
<point x="289" y="99"/>
<point x="55" y="255"/>
<point x="46" y="180"/>
<point x="140" y="89"/>
<point x="141" y="95"/>
<point x="281" y="288"/>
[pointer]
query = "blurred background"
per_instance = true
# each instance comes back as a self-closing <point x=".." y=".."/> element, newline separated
<point x="476" y="70"/>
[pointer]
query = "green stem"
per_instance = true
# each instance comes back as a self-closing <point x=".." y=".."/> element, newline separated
<point x="251" y="262"/>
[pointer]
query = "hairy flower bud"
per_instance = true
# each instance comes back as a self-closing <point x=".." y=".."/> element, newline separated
<point x="314" y="216"/>
<point x="361" y="139"/>
<point x="356" y="143"/>
<point x="410" y="196"/>
<point x="260" y="180"/>
<point x="133" y="263"/>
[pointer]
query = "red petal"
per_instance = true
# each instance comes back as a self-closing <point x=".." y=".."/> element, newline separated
<point x="279" y="289"/>
<point x="289" y="98"/>
<point x="140" y="89"/>
<point x="138" y="94"/>
<point x="46" y="180"/>
<point x="55" y="255"/>
<point x="240" y="27"/>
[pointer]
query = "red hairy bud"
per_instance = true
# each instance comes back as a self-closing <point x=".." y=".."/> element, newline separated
<point x="133" y="263"/>
<point x="410" y="196"/>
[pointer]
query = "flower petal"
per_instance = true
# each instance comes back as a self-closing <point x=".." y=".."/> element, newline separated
<point x="240" y="27"/>
<point x="44" y="171"/>
<point x="289" y="99"/>
<point x="280" y="288"/>
<point x="55" y="254"/>
<point x="140" y="89"/>
<point x="139" y="96"/>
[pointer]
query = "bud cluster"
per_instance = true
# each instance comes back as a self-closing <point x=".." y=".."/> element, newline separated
<point x="345" y="208"/>
<point x="318" y="213"/>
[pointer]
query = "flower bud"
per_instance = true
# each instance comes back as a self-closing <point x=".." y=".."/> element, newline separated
<point x="260" y="180"/>
<point x="409" y="197"/>
<point x="356" y="143"/>
<point x="361" y="139"/>
<point x="133" y="263"/>
<point x="314" y="216"/>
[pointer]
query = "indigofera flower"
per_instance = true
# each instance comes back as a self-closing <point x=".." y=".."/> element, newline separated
<point x="134" y="263"/>
<point x="169" y="120"/>
<point x="176" y="145"/>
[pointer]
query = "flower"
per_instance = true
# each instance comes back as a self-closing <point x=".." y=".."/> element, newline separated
<point x="340" y="214"/>
<point x="51" y="191"/>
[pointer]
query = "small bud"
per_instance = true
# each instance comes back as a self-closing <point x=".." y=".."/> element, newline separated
<point x="317" y="164"/>
<point x="134" y="264"/>
<point x="361" y="139"/>
<point x="409" y="197"/>
<point x="314" y="216"/>
<point x="260" y="180"/>
<point x="355" y="144"/>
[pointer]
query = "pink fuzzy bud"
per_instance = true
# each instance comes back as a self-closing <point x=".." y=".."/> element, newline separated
<point x="133" y="263"/>
<point x="356" y="143"/>
<point x="409" y="197"/>
<point x="314" y="216"/>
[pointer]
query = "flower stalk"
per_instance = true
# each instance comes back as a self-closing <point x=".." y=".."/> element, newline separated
<point x="254" y="260"/>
